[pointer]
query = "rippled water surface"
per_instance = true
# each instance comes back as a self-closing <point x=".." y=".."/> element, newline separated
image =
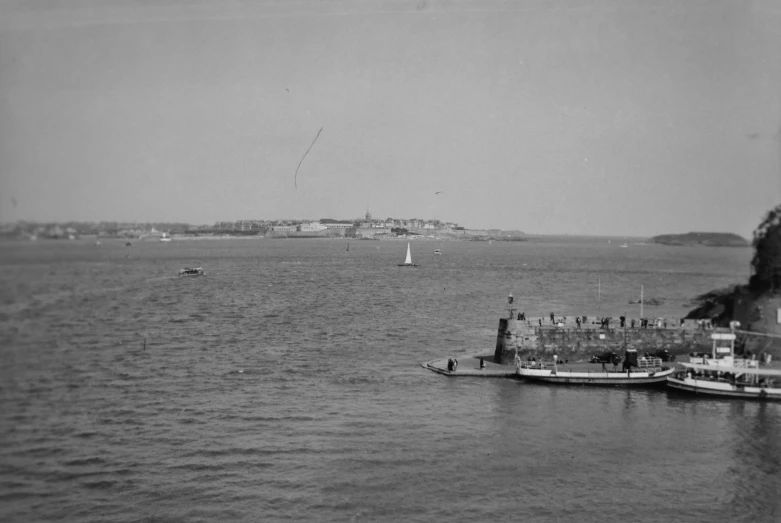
<point x="285" y="385"/>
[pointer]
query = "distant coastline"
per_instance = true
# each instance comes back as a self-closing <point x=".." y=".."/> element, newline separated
<point x="709" y="239"/>
<point x="92" y="238"/>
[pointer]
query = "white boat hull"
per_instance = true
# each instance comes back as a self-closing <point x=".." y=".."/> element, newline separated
<point x="549" y="375"/>
<point x="725" y="389"/>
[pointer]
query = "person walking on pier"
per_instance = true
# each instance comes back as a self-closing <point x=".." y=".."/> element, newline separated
<point x="552" y="318"/>
<point x="577" y="321"/>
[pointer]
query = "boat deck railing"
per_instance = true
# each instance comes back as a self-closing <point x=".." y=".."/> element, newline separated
<point x="729" y="380"/>
<point x="646" y="362"/>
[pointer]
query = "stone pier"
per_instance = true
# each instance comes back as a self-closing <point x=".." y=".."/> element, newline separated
<point x="527" y="338"/>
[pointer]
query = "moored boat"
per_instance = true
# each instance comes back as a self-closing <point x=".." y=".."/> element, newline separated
<point x="722" y="374"/>
<point x="636" y="371"/>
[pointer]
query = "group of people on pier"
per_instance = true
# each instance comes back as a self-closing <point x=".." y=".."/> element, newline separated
<point x="604" y="322"/>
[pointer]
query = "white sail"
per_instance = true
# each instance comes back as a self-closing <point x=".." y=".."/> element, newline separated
<point x="408" y="259"/>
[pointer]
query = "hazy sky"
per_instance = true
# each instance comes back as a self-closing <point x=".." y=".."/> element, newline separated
<point x="619" y="117"/>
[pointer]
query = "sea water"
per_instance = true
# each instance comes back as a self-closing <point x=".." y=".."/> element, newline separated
<point x="285" y="385"/>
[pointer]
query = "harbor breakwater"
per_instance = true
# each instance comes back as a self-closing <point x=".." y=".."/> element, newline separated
<point x="527" y="338"/>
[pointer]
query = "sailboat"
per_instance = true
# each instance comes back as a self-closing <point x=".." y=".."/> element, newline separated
<point x="408" y="259"/>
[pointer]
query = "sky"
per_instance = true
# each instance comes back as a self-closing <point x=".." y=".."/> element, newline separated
<point x="620" y="117"/>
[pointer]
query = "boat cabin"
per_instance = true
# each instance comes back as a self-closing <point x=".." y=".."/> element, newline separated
<point x="722" y="353"/>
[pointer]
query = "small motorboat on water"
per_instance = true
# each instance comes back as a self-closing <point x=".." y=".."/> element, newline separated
<point x="437" y="251"/>
<point x="722" y="374"/>
<point x="192" y="271"/>
<point x="636" y="371"/>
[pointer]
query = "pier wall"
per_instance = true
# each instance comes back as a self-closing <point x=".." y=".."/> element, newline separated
<point x="527" y="339"/>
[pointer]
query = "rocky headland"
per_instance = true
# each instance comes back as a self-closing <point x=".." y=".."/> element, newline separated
<point x="756" y="304"/>
<point x="709" y="239"/>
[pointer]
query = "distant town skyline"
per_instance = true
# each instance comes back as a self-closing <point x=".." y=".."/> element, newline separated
<point x="547" y="116"/>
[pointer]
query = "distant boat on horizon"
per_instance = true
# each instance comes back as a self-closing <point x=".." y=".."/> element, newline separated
<point x="408" y="259"/>
<point x="624" y="245"/>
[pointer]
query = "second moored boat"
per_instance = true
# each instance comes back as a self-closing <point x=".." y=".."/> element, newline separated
<point x="722" y="374"/>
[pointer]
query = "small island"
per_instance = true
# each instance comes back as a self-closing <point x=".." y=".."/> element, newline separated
<point x="709" y="239"/>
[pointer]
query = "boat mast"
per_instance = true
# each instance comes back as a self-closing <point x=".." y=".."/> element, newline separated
<point x="641" y="301"/>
